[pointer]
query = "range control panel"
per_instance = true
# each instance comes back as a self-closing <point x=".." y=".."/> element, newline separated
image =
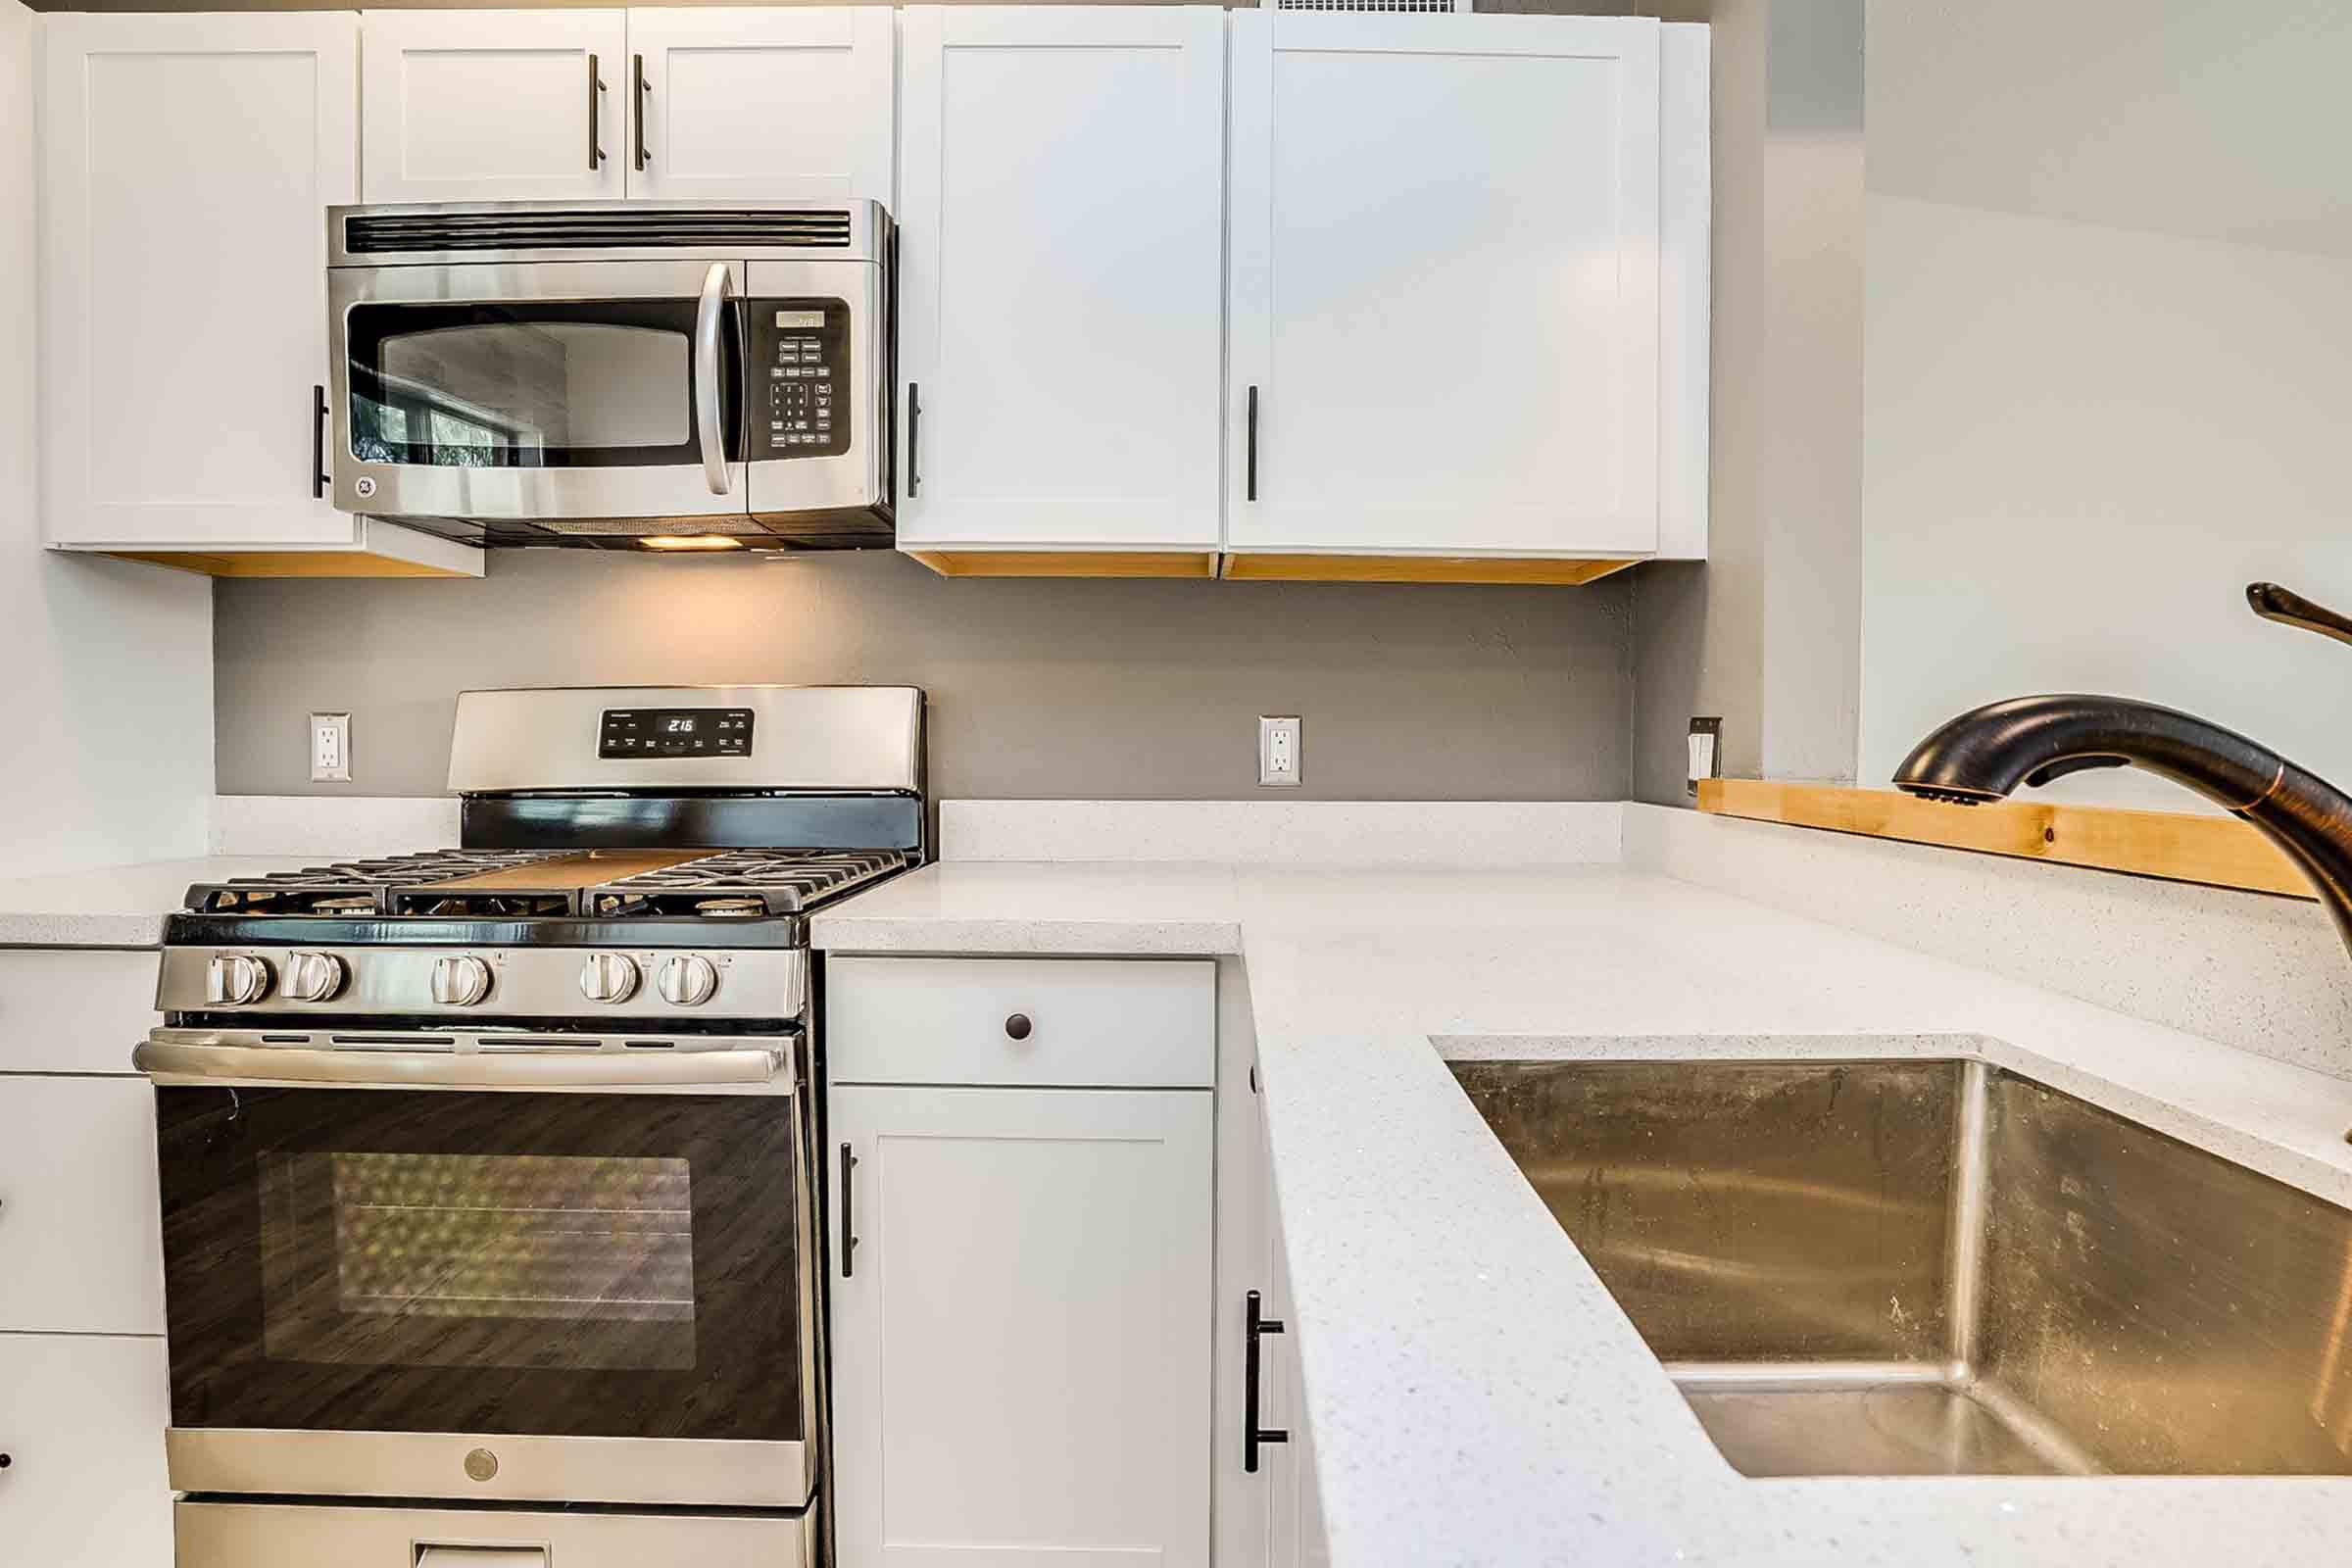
<point x="675" y="732"/>
<point x="801" y="350"/>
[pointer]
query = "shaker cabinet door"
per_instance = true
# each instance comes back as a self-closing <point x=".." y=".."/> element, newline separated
<point x="188" y="165"/>
<point x="1060" y="229"/>
<point x="81" y="1423"/>
<point x="1021" y="1329"/>
<point x="496" y="106"/>
<point x="1445" y="284"/>
<point x="771" y="104"/>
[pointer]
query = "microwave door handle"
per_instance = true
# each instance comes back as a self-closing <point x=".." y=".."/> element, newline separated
<point x="708" y="315"/>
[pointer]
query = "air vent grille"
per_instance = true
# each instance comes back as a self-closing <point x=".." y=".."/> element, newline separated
<point x="1446" y="6"/>
<point x="392" y="233"/>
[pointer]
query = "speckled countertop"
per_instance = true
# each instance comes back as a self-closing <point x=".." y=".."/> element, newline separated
<point x="113" y="906"/>
<point x="1473" y="1393"/>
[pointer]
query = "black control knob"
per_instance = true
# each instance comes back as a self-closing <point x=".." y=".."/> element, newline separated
<point x="1017" y="1026"/>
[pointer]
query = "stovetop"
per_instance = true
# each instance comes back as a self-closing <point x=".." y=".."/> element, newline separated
<point x="527" y="885"/>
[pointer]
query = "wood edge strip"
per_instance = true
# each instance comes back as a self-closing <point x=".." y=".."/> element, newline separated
<point x="2176" y="846"/>
<point x="1494" y="571"/>
<point x="285" y="563"/>
<point x="1188" y="564"/>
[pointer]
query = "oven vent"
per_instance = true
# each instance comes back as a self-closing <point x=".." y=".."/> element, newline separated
<point x="593" y="228"/>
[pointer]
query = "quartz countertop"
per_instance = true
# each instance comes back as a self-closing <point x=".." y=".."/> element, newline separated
<point x="113" y="906"/>
<point x="1473" y="1394"/>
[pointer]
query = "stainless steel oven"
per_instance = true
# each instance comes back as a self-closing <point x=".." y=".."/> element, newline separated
<point x="608" y="374"/>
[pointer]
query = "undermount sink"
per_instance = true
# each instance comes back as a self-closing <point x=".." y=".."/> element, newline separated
<point x="1941" y="1268"/>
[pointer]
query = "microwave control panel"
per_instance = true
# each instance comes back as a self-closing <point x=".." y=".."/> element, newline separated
<point x="799" y="349"/>
<point x="675" y="732"/>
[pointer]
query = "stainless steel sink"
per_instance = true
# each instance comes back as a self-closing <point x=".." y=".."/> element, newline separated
<point x="1941" y="1268"/>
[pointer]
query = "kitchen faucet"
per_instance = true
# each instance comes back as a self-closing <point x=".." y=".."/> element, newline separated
<point x="1985" y="754"/>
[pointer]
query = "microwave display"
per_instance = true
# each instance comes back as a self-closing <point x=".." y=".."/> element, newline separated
<point x="801" y="352"/>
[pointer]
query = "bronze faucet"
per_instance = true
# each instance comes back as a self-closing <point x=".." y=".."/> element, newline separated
<point x="1985" y="754"/>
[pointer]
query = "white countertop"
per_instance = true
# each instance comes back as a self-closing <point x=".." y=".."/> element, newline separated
<point x="1474" y="1394"/>
<point x="112" y="905"/>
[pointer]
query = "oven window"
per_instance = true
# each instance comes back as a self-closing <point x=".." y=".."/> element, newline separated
<point x="553" y="1264"/>
<point x="532" y="385"/>
<point x="473" y="1259"/>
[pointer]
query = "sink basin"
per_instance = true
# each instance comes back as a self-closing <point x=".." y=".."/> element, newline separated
<point x="1941" y="1268"/>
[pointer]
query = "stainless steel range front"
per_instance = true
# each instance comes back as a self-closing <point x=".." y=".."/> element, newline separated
<point x="488" y="1201"/>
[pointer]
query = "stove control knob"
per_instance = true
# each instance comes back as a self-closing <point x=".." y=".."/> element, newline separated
<point x="238" y="979"/>
<point x="688" y="980"/>
<point x="314" y="976"/>
<point x="461" y="981"/>
<point x="609" y="977"/>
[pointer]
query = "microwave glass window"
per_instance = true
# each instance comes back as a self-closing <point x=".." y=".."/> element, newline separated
<point x="478" y="1261"/>
<point x="558" y="384"/>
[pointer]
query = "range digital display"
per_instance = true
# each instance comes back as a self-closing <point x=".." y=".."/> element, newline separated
<point x="632" y="732"/>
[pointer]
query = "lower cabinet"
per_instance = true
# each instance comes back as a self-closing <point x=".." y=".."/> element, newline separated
<point x="82" y="1425"/>
<point x="1021" y="1326"/>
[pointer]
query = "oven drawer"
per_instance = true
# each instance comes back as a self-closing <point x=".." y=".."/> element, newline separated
<point x="73" y="1009"/>
<point x="79" y="1249"/>
<point x="242" y="1535"/>
<point x="1075" y="1022"/>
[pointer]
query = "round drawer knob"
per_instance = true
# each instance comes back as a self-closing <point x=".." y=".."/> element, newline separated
<point x="1017" y="1026"/>
<point x="6" y="1460"/>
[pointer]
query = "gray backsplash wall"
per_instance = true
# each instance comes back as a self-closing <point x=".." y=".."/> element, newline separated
<point x="1037" y="688"/>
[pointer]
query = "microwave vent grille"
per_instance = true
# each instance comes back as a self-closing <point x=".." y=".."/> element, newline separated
<point x="623" y="229"/>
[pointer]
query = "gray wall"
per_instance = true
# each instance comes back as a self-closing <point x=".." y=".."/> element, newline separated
<point x="1037" y="688"/>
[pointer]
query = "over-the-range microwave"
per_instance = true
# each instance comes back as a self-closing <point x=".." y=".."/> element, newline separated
<point x="613" y="374"/>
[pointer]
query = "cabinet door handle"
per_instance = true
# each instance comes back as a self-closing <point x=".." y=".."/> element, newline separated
<point x="638" y="90"/>
<point x="596" y="88"/>
<point x="1254" y="1328"/>
<point x="318" y="478"/>
<point x="1250" y="461"/>
<point x="849" y="1234"/>
<point x="914" y="440"/>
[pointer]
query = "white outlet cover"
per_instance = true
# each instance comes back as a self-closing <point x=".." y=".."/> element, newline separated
<point x="1280" y="744"/>
<point x="331" y="747"/>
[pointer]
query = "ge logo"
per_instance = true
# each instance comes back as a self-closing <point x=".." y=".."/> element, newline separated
<point x="365" y="487"/>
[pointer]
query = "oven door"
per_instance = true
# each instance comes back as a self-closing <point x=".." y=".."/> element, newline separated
<point x="578" y="396"/>
<point x="473" y="1291"/>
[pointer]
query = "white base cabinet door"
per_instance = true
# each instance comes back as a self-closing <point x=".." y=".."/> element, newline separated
<point x="1021" y="1326"/>
<point x="80" y="1239"/>
<point x="1445" y="284"/>
<point x="766" y="103"/>
<point x="497" y="106"/>
<point x="188" y="165"/>
<point x="81" y="1421"/>
<point x="1061" y="227"/>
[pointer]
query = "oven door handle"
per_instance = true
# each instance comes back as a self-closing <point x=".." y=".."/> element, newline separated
<point x="180" y="1061"/>
<point x="709" y="311"/>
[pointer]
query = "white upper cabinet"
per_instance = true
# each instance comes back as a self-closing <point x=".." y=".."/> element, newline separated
<point x="1060" y="233"/>
<point x="782" y="103"/>
<point x="497" y="106"/>
<point x="188" y="163"/>
<point x="1444" y="285"/>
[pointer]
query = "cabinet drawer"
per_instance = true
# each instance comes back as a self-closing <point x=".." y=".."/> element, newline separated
<point x="73" y="1009"/>
<point x="80" y="1242"/>
<point x="81" y="1421"/>
<point x="1090" y="1022"/>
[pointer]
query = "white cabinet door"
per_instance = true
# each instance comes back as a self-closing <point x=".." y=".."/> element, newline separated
<point x="1445" y="284"/>
<point x="188" y="165"/>
<point x="81" y="1421"/>
<point x="496" y="106"/>
<point x="81" y="1244"/>
<point x="1061" y="225"/>
<point x="1021" y="1332"/>
<point x="783" y="103"/>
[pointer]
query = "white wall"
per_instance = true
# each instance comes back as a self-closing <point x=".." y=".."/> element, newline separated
<point x="106" y="667"/>
<point x="2107" y="366"/>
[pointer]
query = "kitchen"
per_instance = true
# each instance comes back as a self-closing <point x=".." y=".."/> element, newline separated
<point x="1240" y="894"/>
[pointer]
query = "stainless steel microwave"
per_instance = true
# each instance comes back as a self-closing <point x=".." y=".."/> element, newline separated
<point x="613" y="374"/>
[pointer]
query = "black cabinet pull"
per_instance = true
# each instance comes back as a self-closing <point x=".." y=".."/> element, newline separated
<point x="1250" y="467"/>
<point x="848" y="1236"/>
<point x="318" y="478"/>
<point x="1254" y="1328"/>
<point x="6" y="1460"/>
<point x="914" y="440"/>
<point x="595" y="87"/>
<point x="638" y="90"/>
<point x="1017" y="1026"/>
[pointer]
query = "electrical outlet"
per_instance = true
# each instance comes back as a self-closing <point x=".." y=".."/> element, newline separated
<point x="1706" y="752"/>
<point x="331" y="747"/>
<point x="1278" y="746"/>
